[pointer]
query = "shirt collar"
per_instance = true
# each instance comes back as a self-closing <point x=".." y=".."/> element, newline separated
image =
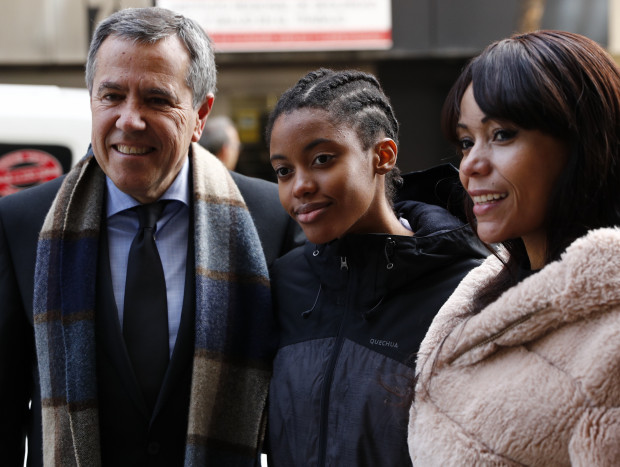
<point x="118" y="200"/>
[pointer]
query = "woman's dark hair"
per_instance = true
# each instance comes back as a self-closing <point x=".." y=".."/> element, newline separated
<point x="564" y="85"/>
<point x="350" y="97"/>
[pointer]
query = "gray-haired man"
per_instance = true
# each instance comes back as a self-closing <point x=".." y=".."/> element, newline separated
<point x="65" y="280"/>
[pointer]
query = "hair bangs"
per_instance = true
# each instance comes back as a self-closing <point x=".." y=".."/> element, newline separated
<point x="505" y="89"/>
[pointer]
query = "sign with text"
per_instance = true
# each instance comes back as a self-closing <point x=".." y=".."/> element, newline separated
<point x="291" y="25"/>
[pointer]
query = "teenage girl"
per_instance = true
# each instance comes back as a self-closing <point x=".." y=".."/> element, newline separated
<point x="354" y="303"/>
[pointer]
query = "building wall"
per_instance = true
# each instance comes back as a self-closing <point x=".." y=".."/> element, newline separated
<point x="417" y="88"/>
<point x="432" y="40"/>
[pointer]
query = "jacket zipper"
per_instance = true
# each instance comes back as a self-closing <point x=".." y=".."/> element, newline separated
<point x="329" y="373"/>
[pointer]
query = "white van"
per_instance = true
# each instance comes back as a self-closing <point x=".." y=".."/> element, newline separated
<point x="44" y="131"/>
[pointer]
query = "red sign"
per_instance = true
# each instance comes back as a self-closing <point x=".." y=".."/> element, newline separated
<point x="25" y="168"/>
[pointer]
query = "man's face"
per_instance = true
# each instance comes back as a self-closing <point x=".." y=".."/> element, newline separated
<point x="143" y="118"/>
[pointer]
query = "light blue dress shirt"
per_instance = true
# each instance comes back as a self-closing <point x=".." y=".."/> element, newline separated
<point x="171" y="237"/>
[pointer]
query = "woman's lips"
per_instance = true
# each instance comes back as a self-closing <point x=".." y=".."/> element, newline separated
<point x="486" y="202"/>
<point x="488" y="197"/>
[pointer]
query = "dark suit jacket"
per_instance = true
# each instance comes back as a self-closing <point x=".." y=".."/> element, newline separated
<point x="128" y="435"/>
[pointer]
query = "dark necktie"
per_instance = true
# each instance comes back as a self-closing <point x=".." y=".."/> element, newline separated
<point x="145" y="316"/>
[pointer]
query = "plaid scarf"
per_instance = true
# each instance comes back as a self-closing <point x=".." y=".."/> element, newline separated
<point x="232" y="357"/>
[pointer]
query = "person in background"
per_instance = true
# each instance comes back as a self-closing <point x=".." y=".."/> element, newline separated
<point x="220" y="137"/>
<point x="139" y="282"/>
<point x="520" y="366"/>
<point x="352" y="304"/>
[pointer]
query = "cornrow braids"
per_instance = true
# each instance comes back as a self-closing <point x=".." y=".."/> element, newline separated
<point x="350" y="97"/>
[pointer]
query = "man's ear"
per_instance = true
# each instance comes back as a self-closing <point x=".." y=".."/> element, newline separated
<point x="386" y="153"/>
<point x="203" y="113"/>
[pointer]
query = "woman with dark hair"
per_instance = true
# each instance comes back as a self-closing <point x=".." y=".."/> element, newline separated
<point x="521" y="366"/>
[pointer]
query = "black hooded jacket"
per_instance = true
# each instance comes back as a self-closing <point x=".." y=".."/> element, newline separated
<point x="352" y="314"/>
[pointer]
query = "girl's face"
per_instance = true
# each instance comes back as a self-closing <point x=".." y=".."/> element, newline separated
<point x="327" y="182"/>
<point x="509" y="173"/>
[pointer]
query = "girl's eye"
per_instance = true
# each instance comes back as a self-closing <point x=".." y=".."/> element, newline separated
<point x="322" y="159"/>
<point x="503" y="135"/>
<point x="282" y="172"/>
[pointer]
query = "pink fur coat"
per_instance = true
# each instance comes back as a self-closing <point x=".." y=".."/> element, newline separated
<point x="534" y="378"/>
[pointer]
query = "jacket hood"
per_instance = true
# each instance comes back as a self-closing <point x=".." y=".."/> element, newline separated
<point x="437" y="186"/>
<point x="384" y="263"/>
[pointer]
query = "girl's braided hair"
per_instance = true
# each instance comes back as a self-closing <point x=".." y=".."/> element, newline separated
<point x="350" y="97"/>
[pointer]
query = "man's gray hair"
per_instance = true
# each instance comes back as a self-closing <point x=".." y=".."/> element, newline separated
<point x="150" y="25"/>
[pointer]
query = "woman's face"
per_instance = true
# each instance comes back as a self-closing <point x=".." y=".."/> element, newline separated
<point x="327" y="181"/>
<point x="509" y="173"/>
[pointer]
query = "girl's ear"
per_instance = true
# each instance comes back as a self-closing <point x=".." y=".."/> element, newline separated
<point x="386" y="152"/>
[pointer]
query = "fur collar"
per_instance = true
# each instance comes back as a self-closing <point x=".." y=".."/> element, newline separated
<point x="583" y="283"/>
